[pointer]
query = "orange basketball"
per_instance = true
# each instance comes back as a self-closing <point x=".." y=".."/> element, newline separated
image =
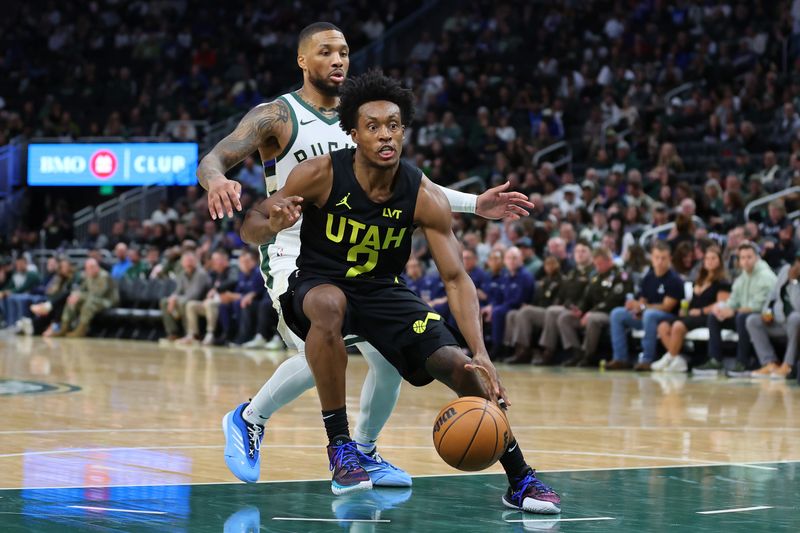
<point x="471" y="433"/>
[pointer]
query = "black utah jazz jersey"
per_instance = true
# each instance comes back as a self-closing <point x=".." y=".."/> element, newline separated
<point x="354" y="237"/>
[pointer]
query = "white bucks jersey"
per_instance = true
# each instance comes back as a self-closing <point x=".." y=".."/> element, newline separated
<point x="313" y="134"/>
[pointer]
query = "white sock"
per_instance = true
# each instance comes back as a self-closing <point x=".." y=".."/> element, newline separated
<point x="291" y="379"/>
<point x="378" y="397"/>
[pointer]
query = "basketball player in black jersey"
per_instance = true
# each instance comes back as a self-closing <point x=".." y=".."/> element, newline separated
<point x="360" y="207"/>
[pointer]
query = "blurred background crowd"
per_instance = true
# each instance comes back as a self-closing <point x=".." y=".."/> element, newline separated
<point x="640" y="129"/>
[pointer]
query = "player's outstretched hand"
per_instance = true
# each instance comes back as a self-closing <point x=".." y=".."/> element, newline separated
<point x="223" y="197"/>
<point x="284" y="213"/>
<point x="482" y="365"/>
<point x="496" y="203"/>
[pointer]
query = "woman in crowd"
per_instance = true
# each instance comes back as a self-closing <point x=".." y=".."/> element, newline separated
<point x="712" y="286"/>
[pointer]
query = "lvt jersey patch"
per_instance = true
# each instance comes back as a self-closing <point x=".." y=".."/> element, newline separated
<point x="12" y="387"/>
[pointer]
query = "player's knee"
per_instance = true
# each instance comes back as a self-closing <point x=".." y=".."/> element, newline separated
<point x="445" y="362"/>
<point x="325" y="307"/>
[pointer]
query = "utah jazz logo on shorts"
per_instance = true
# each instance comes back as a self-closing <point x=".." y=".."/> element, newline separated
<point x="421" y="325"/>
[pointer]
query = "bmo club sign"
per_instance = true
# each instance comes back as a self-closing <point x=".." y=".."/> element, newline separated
<point x="112" y="164"/>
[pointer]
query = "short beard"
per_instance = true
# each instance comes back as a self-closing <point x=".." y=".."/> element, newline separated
<point x="323" y="87"/>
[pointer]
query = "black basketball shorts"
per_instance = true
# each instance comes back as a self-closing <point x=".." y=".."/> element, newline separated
<point x="386" y="313"/>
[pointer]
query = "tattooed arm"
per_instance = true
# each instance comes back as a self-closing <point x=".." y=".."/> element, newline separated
<point x="261" y="128"/>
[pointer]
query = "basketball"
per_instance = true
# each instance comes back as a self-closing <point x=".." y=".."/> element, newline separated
<point x="470" y="433"/>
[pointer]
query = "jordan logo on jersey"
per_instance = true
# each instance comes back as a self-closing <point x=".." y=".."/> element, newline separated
<point x="343" y="201"/>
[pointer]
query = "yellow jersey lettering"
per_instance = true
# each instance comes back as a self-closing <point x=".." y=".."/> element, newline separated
<point x="372" y="238"/>
<point x="339" y="232"/>
<point x="352" y="256"/>
<point x="392" y="213"/>
<point x="391" y="239"/>
<point x="357" y="227"/>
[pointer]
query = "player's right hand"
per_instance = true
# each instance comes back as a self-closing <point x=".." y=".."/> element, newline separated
<point x="223" y="196"/>
<point x="484" y="368"/>
<point x="284" y="213"/>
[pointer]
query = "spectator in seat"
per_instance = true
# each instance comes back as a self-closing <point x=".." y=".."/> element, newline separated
<point x="775" y="221"/>
<point x="123" y="261"/>
<point x="523" y="323"/>
<point x="782" y="250"/>
<point x="606" y="290"/>
<point x="94" y="238"/>
<point x="223" y="278"/>
<point x="193" y="283"/>
<point x="657" y="300"/>
<point x="139" y="267"/>
<point x="21" y="282"/>
<point x="476" y="273"/>
<point x="266" y="328"/>
<point x="490" y="292"/>
<point x="570" y="292"/>
<point x="164" y="214"/>
<point x="711" y="286"/>
<point x="95" y="294"/>
<point x="683" y="259"/>
<point x="413" y="275"/>
<point x="530" y="261"/>
<point x="780" y="317"/>
<point x="241" y="304"/>
<point x="47" y="315"/>
<point x="749" y="294"/>
<point x="251" y="176"/>
<point x="516" y="286"/>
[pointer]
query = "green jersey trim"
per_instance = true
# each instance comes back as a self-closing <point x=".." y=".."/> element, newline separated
<point x="294" y="130"/>
<point x="265" y="270"/>
<point x="327" y="120"/>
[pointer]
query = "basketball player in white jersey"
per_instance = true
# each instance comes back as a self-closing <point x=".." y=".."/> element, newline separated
<point x="292" y="128"/>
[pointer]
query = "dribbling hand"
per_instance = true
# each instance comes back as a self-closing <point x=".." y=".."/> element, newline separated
<point x="486" y="372"/>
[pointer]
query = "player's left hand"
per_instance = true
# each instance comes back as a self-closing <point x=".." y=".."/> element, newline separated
<point x="496" y="203"/>
<point x="482" y="365"/>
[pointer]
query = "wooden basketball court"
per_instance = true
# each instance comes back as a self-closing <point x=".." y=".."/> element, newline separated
<point x="126" y="435"/>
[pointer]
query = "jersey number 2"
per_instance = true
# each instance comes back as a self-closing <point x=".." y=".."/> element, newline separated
<point x="352" y="256"/>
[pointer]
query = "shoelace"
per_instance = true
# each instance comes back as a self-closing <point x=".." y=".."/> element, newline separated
<point x="378" y="459"/>
<point x="254" y="432"/>
<point x="528" y="481"/>
<point x="346" y="455"/>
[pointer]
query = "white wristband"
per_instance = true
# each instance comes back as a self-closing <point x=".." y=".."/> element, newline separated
<point x="460" y="202"/>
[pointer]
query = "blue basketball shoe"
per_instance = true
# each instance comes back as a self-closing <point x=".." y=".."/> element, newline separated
<point x="348" y="474"/>
<point x="531" y="495"/>
<point x="382" y="472"/>
<point x="242" y="445"/>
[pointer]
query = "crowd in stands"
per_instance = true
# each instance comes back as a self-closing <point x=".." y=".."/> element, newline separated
<point x="132" y="69"/>
<point x="568" y="284"/>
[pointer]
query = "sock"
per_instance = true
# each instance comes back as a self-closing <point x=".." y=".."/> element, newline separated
<point x="336" y="426"/>
<point x="378" y="397"/>
<point x="514" y="463"/>
<point x="291" y="379"/>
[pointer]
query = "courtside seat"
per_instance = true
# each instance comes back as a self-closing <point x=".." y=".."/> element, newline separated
<point x="138" y="314"/>
<point x="696" y="335"/>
